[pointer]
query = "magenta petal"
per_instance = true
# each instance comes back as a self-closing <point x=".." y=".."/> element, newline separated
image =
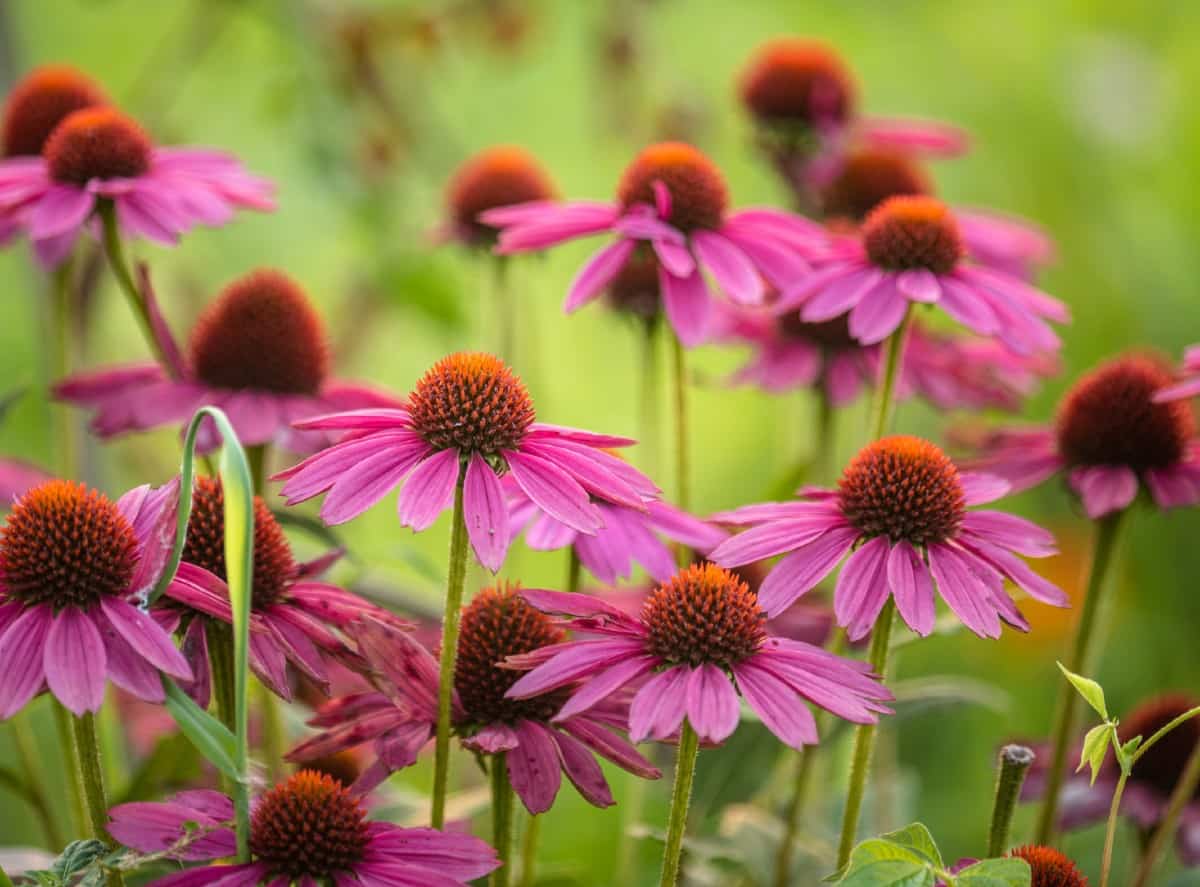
<point x="966" y="589"/>
<point x="554" y="490"/>
<point x="62" y="209"/>
<point x="485" y="513"/>
<point x="911" y="587"/>
<point x="1012" y="532"/>
<point x="597" y="273"/>
<point x="801" y="570"/>
<point x="75" y="661"/>
<point x="583" y="770"/>
<point x="674" y="256"/>
<point x="429" y="490"/>
<point x="770" y="539"/>
<point x="840" y="294"/>
<point x="730" y="266"/>
<point x="659" y="705"/>
<point x="494" y="738"/>
<point x="980" y="488"/>
<point x="879" y="314"/>
<point x="578" y="660"/>
<point x="688" y="305"/>
<point x="146" y="636"/>
<point x="605" y="684"/>
<point x="367" y="481"/>
<point x="862" y="588"/>
<point x="919" y="285"/>
<point x="533" y="767"/>
<point x="712" y="703"/>
<point x="783" y="713"/>
<point x="21" y="651"/>
<point x="610" y="746"/>
<point x="1104" y="488"/>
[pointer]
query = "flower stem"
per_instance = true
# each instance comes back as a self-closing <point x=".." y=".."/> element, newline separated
<point x="681" y="795"/>
<point x="273" y="738"/>
<point x="120" y="267"/>
<point x="506" y="321"/>
<point x="1185" y="789"/>
<point x="455" y="578"/>
<point x="529" y="850"/>
<point x="679" y="367"/>
<point x="91" y="776"/>
<point x="61" y="320"/>
<point x="885" y="393"/>
<point x="25" y="744"/>
<point x="864" y="736"/>
<point x="648" y="421"/>
<point x="502" y="820"/>
<point x="1067" y="708"/>
<point x="66" y="742"/>
<point x="220" y="658"/>
<point x="256" y="456"/>
<point x="574" y="569"/>
<point x="805" y="759"/>
<point x="825" y="457"/>
<point x="1110" y="832"/>
<point x="1014" y="762"/>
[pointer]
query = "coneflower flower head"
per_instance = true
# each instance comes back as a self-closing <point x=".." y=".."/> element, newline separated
<point x="39" y="102"/>
<point x="496" y="177"/>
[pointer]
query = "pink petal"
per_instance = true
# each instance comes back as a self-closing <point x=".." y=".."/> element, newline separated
<point x="965" y="589"/>
<point x="429" y="490"/>
<point x="605" y="684"/>
<point x="21" y="650"/>
<point x="980" y="488"/>
<point x="862" y="588"/>
<point x="60" y="211"/>
<point x="554" y="490"/>
<point x="583" y="770"/>
<point x="771" y="539"/>
<point x="485" y="513"/>
<point x="674" y="257"/>
<point x="533" y="767"/>
<point x="911" y="587"/>
<point x="841" y="294"/>
<point x="879" y="313"/>
<point x="581" y="660"/>
<point x="712" y="703"/>
<point x="801" y="570"/>
<point x="1104" y="488"/>
<point x="776" y="703"/>
<point x="687" y="304"/>
<point x="1010" y="531"/>
<point x="659" y="705"/>
<point x="919" y="285"/>
<point x="597" y="273"/>
<point x="146" y="637"/>
<point x="730" y="266"/>
<point x="75" y="662"/>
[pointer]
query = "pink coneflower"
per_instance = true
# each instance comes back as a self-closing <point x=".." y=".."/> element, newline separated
<point x="259" y="352"/>
<point x="294" y="617"/>
<point x="400" y="719"/>
<point x="307" y="830"/>
<point x="900" y="505"/>
<point x="99" y="156"/>
<point x="1111" y="437"/>
<point x="1190" y="386"/>
<point x="496" y="177"/>
<point x="1150" y="785"/>
<point x="911" y="250"/>
<point x="628" y="536"/>
<point x="671" y="199"/>
<point x="469" y="415"/>
<point x="73" y="567"/>
<point x="701" y="637"/>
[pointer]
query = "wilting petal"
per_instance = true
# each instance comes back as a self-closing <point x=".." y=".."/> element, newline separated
<point x="533" y="767"/>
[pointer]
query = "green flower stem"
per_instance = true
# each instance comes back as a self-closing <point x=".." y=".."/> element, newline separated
<point x="1077" y="661"/>
<point x="68" y="444"/>
<point x="66" y="742"/>
<point x="1185" y="790"/>
<point x="91" y="776"/>
<point x="26" y="745"/>
<point x="648" y="419"/>
<point x="502" y="820"/>
<point x="1014" y="763"/>
<point x="120" y="267"/>
<point x="529" y="845"/>
<point x="220" y="657"/>
<point x="1110" y="832"/>
<point x="805" y="760"/>
<point x="825" y="457"/>
<point x="679" y="367"/>
<point x="455" y="579"/>
<point x="681" y="795"/>
<point x="864" y="736"/>
<point x="506" y="321"/>
<point x="574" y="569"/>
<point x="885" y="393"/>
<point x="274" y="737"/>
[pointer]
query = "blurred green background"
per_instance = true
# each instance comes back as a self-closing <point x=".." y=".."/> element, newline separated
<point x="1083" y="118"/>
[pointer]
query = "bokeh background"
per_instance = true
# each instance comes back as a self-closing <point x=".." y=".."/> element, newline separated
<point x="1083" y="118"/>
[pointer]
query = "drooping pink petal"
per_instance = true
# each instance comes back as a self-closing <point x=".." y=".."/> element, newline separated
<point x="367" y="481"/>
<point x="429" y="490"/>
<point x="1104" y="488"/>
<point x="146" y="637"/>
<point x="770" y="539"/>
<point x="597" y="273"/>
<point x="659" y="705"/>
<point x="911" y="587"/>
<point x="731" y="267"/>
<point x="74" y="661"/>
<point x="61" y="210"/>
<point x="979" y="488"/>
<point x="776" y="703"/>
<point x="841" y="294"/>
<point x="919" y="285"/>
<point x="21" y="650"/>
<point x="712" y="703"/>
<point x="1012" y="532"/>
<point x="554" y="490"/>
<point x="965" y="589"/>
<point x="583" y="770"/>
<point x="610" y="746"/>
<point x="1018" y="572"/>
<point x="862" y="588"/>
<point x="801" y="570"/>
<point x="879" y="313"/>
<point x="533" y="767"/>
<point x="604" y="684"/>
<point x="687" y="304"/>
<point x="581" y="660"/>
<point x="674" y="256"/>
<point x="1174" y="487"/>
<point x="485" y="513"/>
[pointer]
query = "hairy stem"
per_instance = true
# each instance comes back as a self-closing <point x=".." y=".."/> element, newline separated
<point x="502" y="820"/>
<point x="529" y="844"/>
<point x="681" y="795"/>
<point x="91" y="777"/>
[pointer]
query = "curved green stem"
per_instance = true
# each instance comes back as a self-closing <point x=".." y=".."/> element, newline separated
<point x="681" y="796"/>
<point x="1185" y="790"/>
<point x="529" y="845"/>
<point x="502" y="820"/>
<point x="1077" y="661"/>
<point x="1110" y="832"/>
<point x="455" y="578"/>
<point x="506" y="321"/>
<point x="120" y="267"/>
<point x="91" y="776"/>
<point x="864" y="736"/>
<point x="679" y="367"/>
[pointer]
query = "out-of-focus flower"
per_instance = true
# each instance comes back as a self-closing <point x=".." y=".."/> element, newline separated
<point x="259" y="352"/>
<point x="469" y="419"/>
<point x="902" y="502"/>
<point x="307" y="830"/>
<point x="17" y="478"/>
<point x="74" y="566"/>
<point x="671" y="199"/>
<point x="1190" y="386"/>
<point x="98" y="156"/>
<point x="402" y="717"/>
<point x="294" y="617"/>
<point x="1111" y="437"/>
<point x="500" y="176"/>
<point x="1150" y="785"/>
<point x="39" y="102"/>
<point x="628" y="536"/>
<point x="911" y="251"/>
<point x="697" y="634"/>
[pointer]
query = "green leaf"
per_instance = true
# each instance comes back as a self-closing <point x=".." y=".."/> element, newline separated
<point x="211" y="738"/>
<point x="1095" y="747"/>
<point x="1088" y="689"/>
<point x="1126" y="752"/>
<point x="916" y="837"/>
<point x="890" y="873"/>
<point x="1007" y="872"/>
<point x="77" y="856"/>
<point x="5" y="880"/>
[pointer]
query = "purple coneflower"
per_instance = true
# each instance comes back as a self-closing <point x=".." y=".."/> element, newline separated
<point x="1113" y="436"/>
<point x="500" y="176"/>
<point x="700" y="636"/>
<point x="74" y="567"/>
<point x="307" y="830"/>
<point x="1150" y="785"/>
<point x="911" y="250"/>
<point x="469" y="415"/>
<point x="628" y="536"/>
<point x="259" y="352"/>
<point x="900" y="507"/>
<point x="294" y="616"/>
<point x="671" y="199"/>
<point x="400" y="718"/>
<point x="1190" y="386"/>
<point x="98" y="157"/>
